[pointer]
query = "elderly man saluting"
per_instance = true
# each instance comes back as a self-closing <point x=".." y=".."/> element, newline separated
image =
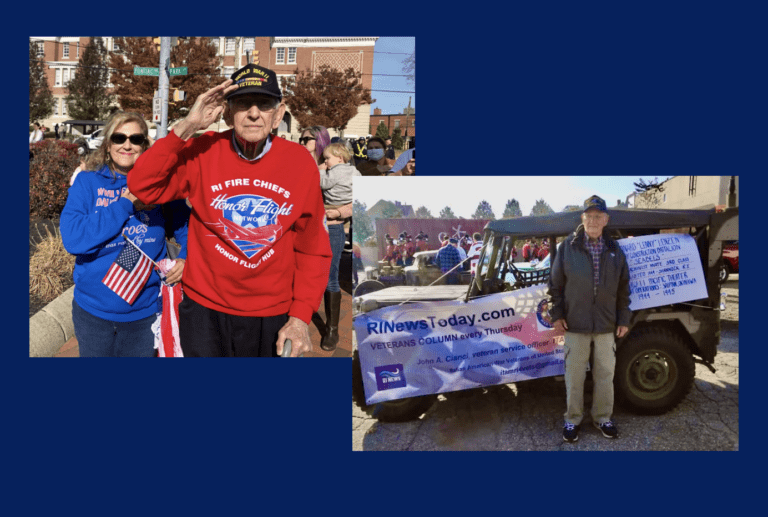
<point x="589" y="288"/>
<point x="259" y="251"/>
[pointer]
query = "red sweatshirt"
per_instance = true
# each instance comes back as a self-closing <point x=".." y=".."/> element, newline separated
<point x="258" y="244"/>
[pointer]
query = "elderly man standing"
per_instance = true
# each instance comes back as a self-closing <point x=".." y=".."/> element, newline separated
<point x="448" y="257"/>
<point x="589" y="289"/>
<point x="259" y="252"/>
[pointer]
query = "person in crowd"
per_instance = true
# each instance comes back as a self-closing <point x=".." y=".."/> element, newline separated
<point x="474" y="252"/>
<point x="37" y="134"/>
<point x="447" y="258"/>
<point x="410" y="249"/>
<point x="543" y="250"/>
<point x="527" y="250"/>
<point x="422" y="242"/>
<point x="390" y="149"/>
<point x="589" y="293"/>
<point x="336" y="184"/>
<point x="376" y="164"/>
<point x="359" y="151"/>
<point x="116" y="294"/>
<point x="534" y="250"/>
<point x="405" y="165"/>
<point x="315" y="139"/>
<point x="357" y="262"/>
<point x="259" y="251"/>
<point x="56" y="130"/>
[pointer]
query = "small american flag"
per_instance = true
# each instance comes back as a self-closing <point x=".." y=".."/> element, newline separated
<point x="129" y="273"/>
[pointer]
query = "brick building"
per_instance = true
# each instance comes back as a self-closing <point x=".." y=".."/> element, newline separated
<point x="282" y="54"/>
<point x="407" y="124"/>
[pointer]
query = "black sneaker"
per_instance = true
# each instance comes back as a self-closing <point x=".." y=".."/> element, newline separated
<point x="570" y="432"/>
<point x="608" y="429"/>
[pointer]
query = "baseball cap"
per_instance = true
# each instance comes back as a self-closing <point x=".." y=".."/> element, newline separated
<point x="595" y="202"/>
<point x="255" y="79"/>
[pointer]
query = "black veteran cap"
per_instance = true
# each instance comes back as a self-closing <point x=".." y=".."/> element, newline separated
<point x="595" y="202"/>
<point x="255" y="79"/>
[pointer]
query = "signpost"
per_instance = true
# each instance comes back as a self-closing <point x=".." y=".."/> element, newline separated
<point x="178" y="71"/>
<point x="145" y="70"/>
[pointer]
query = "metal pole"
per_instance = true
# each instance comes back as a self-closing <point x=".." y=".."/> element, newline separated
<point x="162" y="91"/>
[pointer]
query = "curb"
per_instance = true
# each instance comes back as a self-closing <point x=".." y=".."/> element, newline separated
<point x="52" y="326"/>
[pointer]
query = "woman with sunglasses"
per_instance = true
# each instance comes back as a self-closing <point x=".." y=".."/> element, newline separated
<point x="98" y="218"/>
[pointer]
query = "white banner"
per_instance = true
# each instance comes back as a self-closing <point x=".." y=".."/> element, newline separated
<point x="663" y="269"/>
<point x="436" y="347"/>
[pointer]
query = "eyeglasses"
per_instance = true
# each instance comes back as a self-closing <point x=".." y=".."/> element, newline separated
<point x="120" y="138"/>
<point x="305" y="139"/>
<point x="244" y="102"/>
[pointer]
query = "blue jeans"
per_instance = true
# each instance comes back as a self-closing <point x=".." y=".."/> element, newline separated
<point x="103" y="338"/>
<point x="337" y="236"/>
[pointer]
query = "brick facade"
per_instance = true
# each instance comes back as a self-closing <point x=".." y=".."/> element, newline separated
<point x="302" y="53"/>
<point x="394" y="121"/>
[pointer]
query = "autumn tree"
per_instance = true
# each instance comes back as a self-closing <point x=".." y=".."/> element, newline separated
<point x="88" y="98"/>
<point x="409" y="68"/>
<point x="423" y="213"/>
<point x="541" y="207"/>
<point x="512" y="209"/>
<point x="447" y="213"/>
<point x="136" y="92"/>
<point x="484" y="211"/>
<point x="40" y="96"/>
<point x="327" y="97"/>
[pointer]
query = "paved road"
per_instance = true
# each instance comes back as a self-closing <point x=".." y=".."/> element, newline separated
<point x="527" y="416"/>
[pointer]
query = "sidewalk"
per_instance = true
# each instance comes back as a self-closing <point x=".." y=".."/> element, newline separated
<point x="344" y="348"/>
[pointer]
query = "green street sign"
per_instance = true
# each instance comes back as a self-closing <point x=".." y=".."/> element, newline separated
<point x="179" y="71"/>
<point x="142" y="70"/>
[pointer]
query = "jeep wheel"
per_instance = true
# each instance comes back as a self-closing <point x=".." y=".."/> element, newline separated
<point x="367" y="286"/>
<point x="654" y="371"/>
<point x="402" y="410"/>
<point x="82" y="149"/>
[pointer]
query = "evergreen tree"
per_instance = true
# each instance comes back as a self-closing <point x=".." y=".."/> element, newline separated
<point x="327" y="97"/>
<point x="397" y="138"/>
<point x="382" y="131"/>
<point x="362" y="226"/>
<point x="423" y="213"/>
<point x="484" y="211"/>
<point x="40" y="96"/>
<point x="512" y="209"/>
<point x="88" y="98"/>
<point x="447" y="213"/>
<point x="392" y="212"/>
<point x="541" y="208"/>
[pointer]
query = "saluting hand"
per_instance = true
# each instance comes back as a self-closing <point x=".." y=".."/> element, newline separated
<point x="207" y="109"/>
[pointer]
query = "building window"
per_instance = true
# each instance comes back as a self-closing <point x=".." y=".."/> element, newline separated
<point x="228" y="71"/>
<point x="66" y="76"/>
<point x="249" y="44"/>
<point x="65" y="50"/>
<point x="413" y="123"/>
<point x="40" y="49"/>
<point x="292" y="55"/>
<point x="63" y="107"/>
<point x="229" y="46"/>
<point x="397" y="123"/>
<point x="58" y="77"/>
<point x="692" y="186"/>
<point x="115" y="46"/>
<point x="56" y="108"/>
<point x="280" y="59"/>
<point x="78" y="49"/>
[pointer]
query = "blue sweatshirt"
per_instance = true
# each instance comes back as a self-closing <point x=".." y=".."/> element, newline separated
<point x="92" y="224"/>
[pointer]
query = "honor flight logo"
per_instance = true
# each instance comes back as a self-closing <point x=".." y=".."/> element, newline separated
<point x="250" y="222"/>
<point x="390" y="376"/>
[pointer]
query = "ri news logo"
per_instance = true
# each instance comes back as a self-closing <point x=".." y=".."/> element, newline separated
<point x="390" y="376"/>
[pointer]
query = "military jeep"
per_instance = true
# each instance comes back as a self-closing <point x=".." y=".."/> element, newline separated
<point x="655" y="363"/>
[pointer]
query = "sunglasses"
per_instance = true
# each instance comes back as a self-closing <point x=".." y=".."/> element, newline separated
<point x="120" y="138"/>
<point x="304" y="139"/>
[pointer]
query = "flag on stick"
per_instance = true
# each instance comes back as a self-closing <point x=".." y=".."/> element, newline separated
<point x="129" y="273"/>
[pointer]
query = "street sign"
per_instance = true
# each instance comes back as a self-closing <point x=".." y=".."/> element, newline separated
<point x="179" y="71"/>
<point x="143" y="70"/>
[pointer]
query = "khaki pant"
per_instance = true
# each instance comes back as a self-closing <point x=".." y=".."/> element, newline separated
<point x="604" y="363"/>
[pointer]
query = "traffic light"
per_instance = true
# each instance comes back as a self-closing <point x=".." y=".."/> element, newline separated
<point x="179" y="95"/>
<point x="156" y="41"/>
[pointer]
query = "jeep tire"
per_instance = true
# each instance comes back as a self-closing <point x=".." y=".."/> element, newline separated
<point x="402" y="410"/>
<point x="654" y="371"/>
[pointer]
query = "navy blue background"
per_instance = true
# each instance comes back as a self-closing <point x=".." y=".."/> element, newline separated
<point x="648" y="90"/>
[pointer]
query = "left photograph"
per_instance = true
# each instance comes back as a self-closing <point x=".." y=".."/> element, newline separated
<point x="191" y="197"/>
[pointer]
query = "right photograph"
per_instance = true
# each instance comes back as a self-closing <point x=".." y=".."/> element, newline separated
<point x="545" y="313"/>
